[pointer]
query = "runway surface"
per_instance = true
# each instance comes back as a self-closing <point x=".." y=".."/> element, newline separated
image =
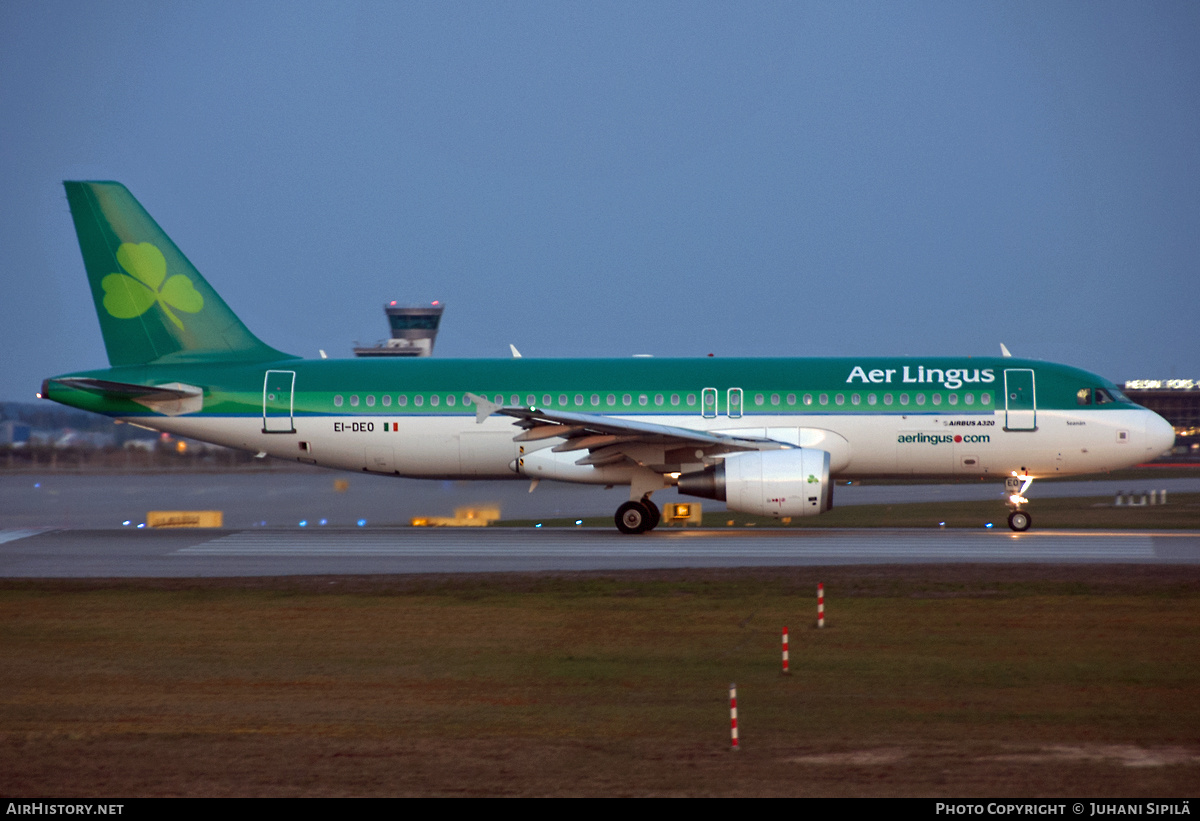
<point x="32" y="553"/>
<point x="283" y="498"/>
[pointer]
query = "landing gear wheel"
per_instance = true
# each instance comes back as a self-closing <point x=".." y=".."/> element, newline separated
<point x="655" y="513"/>
<point x="1019" y="521"/>
<point x="633" y="517"/>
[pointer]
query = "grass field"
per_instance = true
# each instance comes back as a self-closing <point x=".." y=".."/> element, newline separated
<point x="952" y="681"/>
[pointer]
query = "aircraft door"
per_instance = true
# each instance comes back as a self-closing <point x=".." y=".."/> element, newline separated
<point x="734" y="407"/>
<point x="1020" y="399"/>
<point x="708" y="403"/>
<point x="278" y="401"/>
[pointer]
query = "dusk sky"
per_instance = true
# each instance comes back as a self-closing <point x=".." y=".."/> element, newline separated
<point x="608" y="179"/>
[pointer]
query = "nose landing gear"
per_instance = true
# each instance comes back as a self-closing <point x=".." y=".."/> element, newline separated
<point x="1019" y="521"/>
<point x="1015" y="487"/>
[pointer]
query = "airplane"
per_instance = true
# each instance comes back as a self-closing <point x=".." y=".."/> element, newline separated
<point x="766" y="436"/>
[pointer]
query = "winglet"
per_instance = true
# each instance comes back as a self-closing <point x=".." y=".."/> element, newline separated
<point x="516" y="354"/>
<point x="483" y="408"/>
<point x="1004" y="351"/>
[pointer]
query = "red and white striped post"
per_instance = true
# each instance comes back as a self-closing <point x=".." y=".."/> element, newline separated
<point x="785" y="651"/>
<point x="820" y="604"/>
<point x="733" y="716"/>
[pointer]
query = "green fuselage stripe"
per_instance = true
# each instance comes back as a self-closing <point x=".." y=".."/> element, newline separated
<point x="748" y="387"/>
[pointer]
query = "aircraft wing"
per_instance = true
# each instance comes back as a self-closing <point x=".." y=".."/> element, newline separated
<point x="609" y="439"/>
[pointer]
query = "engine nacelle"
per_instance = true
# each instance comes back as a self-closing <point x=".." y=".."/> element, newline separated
<point x="774" y="483"/>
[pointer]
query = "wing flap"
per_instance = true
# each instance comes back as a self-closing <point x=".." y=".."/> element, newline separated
<point x="568" y="424"/>
<point x="612" y="440"/>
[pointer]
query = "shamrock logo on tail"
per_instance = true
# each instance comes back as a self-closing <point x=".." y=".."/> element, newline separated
<point x="131" y="294"/>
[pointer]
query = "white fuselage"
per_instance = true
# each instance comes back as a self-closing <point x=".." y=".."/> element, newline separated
<point x="455" y="446"/>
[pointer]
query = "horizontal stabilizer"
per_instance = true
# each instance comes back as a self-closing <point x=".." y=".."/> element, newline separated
<point x="171" y="399"/>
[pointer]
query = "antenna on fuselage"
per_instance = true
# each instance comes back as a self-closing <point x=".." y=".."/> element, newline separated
<point x="1004" y="351"/>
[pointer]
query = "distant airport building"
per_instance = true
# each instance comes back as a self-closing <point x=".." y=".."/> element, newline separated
<point x="414" y="330"/>
<point x="14" y="433"/>
<point x="1177" y="401"/>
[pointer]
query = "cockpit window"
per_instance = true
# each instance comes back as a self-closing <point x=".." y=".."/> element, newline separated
<point x="1103" y="397"/>
<point x="1118" y="395"/>
<point x="1083" y="396"/>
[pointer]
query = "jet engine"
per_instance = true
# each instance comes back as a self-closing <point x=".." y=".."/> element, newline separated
<point x="777" y="483"/>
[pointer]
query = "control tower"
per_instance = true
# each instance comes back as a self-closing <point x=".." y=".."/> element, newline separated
<point x="414" y="330"/>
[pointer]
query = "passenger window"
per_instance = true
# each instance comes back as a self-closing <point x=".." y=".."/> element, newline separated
<point x="774" y="399"/>
<point x="418" y="400"/>
<point x="610" y="399"/>
<point x="674" y="399"/>
<point x="337" y="401"/>
<point x="808" y="398"/>
<point x="904" y="399"/>
<point x="969" y="399"/>
<point x="691" y="398"/>
<point x="824" y="400"/>
<point x="791" y="398"/>
<point x="387" y="401"/>
<point x="887" y="399"/>
<point x="643" y="399"/>
<point x="450" y="400"/>
<point x="435" y="400"/>
<point x="401" y="400"/>
<point x="985" y="398"/>
<point x="627" y="399"/>
<point x="530" y="400"/>
<point x="354" y="401"/>
<point x="546" y="399"/>
<point x="855" y="399"/>
<point x="920" y="399"/>
<point x="758" y="398"/>
<point x="562" y="400"/>
<point x="578" y="399"/>
<point x="840" y="399"/>
<point x="871" y="400"/>
<point x="658" y="398"/>
<point x="937" y="399"/>
<point x="953" y="400"/>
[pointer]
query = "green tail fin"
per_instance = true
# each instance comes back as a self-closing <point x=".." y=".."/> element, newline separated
<point x="153" y="305"/>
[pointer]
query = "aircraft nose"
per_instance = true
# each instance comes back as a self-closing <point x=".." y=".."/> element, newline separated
<point x="1160" y="436"/>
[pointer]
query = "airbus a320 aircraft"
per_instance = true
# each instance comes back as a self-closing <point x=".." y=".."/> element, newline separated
<point x="766" y="436"/>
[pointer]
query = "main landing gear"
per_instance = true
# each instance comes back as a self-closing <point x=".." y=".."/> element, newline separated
<point x="1015" y="487"/>
<point x="638" y="517"/>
